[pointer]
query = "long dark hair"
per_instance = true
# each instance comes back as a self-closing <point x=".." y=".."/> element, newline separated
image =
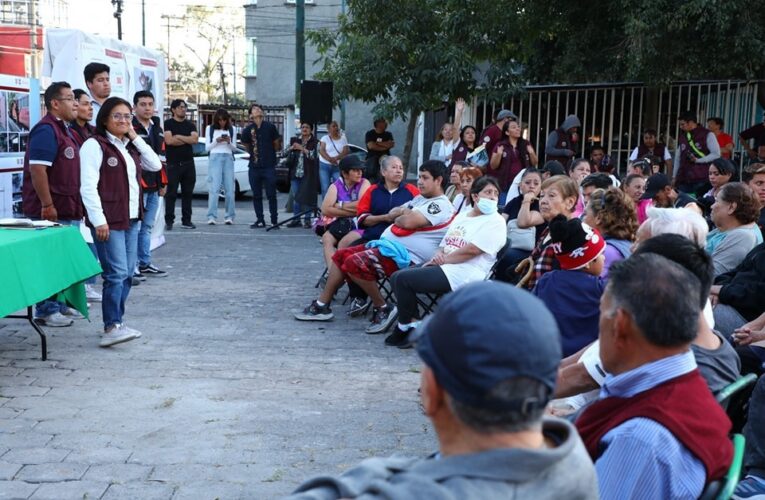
<point x="221" y="113"/>
<point x="106" y="110"/>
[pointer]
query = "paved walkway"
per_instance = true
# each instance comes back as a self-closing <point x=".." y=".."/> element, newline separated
<point x="225" y="396"/>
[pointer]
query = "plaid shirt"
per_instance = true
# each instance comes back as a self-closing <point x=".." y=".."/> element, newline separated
<point x="544" y="259"/>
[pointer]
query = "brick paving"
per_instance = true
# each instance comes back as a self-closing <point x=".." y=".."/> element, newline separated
<point x="224" y="396"/>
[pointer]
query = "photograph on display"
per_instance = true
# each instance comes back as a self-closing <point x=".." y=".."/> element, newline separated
<point x="14" y="121"/>
<point x="144" y="79"/>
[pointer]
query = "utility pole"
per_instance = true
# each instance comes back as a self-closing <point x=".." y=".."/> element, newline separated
<point x="299" y="47"/>
<point x="167" y="19"/>
<point x="143" y="23"/>
<point x="342" y="104"/>
<point x="223" y="83"/>
<point x="118" y="14"/>
<point x="233" y="71"/>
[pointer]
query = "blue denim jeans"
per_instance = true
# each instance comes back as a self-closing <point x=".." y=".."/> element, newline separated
<point x="150" y="208"/>
<point x="296" y="208"/>
<point x="118" y="256"/>
<point x="50" y="305"/>
<point x="220" y="169"/>
<point x="264" y="178"/>
<point x="328" y="174"/>
<point x="727" y="319"/>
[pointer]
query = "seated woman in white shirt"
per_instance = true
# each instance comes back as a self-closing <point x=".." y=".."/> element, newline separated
<point x="466" y="254"/>
<point x="110" y="169"/>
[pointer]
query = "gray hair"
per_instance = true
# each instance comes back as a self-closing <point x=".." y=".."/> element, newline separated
<point x="661" y="296"/>
<point x="677" y="221"/>
<point x="386" y="160"/>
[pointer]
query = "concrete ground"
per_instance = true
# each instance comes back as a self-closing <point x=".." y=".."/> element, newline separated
<point x="225" y="395"/>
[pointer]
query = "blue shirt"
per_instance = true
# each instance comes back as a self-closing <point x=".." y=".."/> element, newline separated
<point x="43" y="147"/>
<point x="266" y="135"/>
<point x="641" y="458"/>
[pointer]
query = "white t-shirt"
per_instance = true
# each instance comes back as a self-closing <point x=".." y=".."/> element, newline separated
<point x="422" y="245"/>
<point x="487" y="232"/>
<point x="461" y="204"/>
<point x="634" y="154"/>
<point x="333" y="147"/>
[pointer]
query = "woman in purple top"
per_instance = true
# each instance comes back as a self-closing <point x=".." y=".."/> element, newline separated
<point x="340" y="204"/>
<point x="612" y="212"/>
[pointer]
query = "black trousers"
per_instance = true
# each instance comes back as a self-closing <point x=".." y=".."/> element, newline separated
<point x="184" y="174"/>
<point x="407" y="283"/>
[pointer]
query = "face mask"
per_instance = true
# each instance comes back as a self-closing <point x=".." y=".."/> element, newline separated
<point x="487" y="206"/>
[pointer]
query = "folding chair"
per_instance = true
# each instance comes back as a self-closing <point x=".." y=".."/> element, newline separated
<point x="734" y="398"/>
<point x="724" y="488"/>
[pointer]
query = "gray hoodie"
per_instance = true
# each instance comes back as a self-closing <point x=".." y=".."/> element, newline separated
<point x="570" y="122"/>
<point x="565" y="471"/>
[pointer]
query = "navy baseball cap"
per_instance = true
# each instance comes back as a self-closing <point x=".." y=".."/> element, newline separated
<point x="351" y="162"/>
<point x="654" y="184"/>
<point x="486" y="333"/>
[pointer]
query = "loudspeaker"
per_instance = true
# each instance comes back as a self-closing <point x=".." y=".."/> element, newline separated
<point x="315" y="101"/>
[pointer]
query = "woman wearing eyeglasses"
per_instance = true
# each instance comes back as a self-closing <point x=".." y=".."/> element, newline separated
<point x="110" y="169"/>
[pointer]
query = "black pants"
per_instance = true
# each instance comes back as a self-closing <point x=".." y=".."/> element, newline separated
<point x="754" y="432"/>
<point x="505" y="268"/>
<point x="184" y="174"/>
<point x="407" y="283"/>
<point x="261" y="178"/>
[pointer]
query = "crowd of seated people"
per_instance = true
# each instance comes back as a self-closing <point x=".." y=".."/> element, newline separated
<point x="656" y="295"/>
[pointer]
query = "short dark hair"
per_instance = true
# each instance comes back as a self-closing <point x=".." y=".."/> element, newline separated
<point x="598" y="179"/>
<point x="481" y="183"/>
<point x="685" y="252"/>
<point x="688" y="116"/>
<point x="177" y="102"/>
<point x="94" y="68"/>
<point x="650" y="131"/>
<point x="435" y="168"/>
<point x="719" y="121"/>
<point x="725" y="166"/>
<point x="500" y="421"/>
<point x="54" y="92"/>
<point x="378" y="120"/>
<point x="751" y="170"/>
<point x="746" y="200"/>
<point x="79" y="93"/>
<point x="254" y="105"/>
<point x="531" y="171"/>
<point x="663" y="303"/>
<point x="106" y="109"/>
<point x="554" y="167"/>
<point x="597" y="146"/>
<point x="142" y="94"/>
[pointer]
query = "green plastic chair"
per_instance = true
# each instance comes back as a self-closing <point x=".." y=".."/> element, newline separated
<point x="723" y="397"/>
<point x="734" y="473"/>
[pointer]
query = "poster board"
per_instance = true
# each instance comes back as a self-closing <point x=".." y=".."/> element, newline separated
<point x="14" y="133"/>
<point x="132" y="67"/>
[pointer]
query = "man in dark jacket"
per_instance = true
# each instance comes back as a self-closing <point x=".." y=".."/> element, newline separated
<point x="484" y="389"/>
<point x="562" y="142"/>
<point x="154" y="184"/>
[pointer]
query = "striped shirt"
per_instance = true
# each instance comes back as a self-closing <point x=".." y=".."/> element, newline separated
<point x="641" y="458"/>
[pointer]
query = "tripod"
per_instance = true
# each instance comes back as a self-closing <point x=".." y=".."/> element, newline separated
<point x="315" y="210"/>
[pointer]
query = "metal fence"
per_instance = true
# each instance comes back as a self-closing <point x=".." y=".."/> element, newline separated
<point x="614" y="115"/>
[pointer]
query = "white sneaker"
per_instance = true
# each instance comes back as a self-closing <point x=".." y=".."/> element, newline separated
<point x="229" y="221"/>
<point x="116" y="335"/>
<point x="55" y="319"/>
<point x="72" y="313"/>
<point x="91" y="294"/>
<point x="135" y="332"/>
<point x="211" y="222"/>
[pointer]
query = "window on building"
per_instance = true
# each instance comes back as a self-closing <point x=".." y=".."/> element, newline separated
<point x="252" y="57"/>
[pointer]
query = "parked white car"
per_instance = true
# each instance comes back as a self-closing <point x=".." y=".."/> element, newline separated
<point x="241" y="160"/>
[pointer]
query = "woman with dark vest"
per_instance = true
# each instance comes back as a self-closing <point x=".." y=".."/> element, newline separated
<point x="110" y="165"/>
<point x="649" y="147"/>
<point x="562" y="142"/>
<point x="510" y="156"/>
<point x="466" y="145"/>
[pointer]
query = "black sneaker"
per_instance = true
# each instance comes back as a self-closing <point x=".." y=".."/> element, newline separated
<point x="399" y="338"/>
<point x="274" y="227"/>
<point x="307" y="224"/>
<point x="152" y="270"/>
<point x="168" y="227"/>
<point x="359" y="307"/>
<point x="188" y="225"/>
<point x="138" y="276"/>
<point x="315" y="312"/>
<point x="257" y="224"/>
<point x="294" y="223"/>
<point x="382" y="318"/>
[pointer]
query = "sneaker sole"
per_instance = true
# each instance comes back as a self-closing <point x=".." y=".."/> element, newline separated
<point x="127" y="338"/>
<point x="314" y="317"/>
<point x="360" y="312"/>
<point x="157" y="275"/>
<point x="383" y="327"/>
<point x="53" y="325"/>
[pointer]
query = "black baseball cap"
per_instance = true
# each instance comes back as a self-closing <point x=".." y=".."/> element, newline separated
<point x="486" y="333"/>
<point x="655" y="183"/>
<point x="351" y="162"/>
<point x="554" y="167"/>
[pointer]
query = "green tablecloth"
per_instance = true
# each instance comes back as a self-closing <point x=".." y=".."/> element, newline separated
<point x="36" y="264"/>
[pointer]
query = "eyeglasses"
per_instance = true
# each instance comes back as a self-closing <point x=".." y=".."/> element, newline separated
<point x="63" y="98"/>
<point x="122" y="117"/>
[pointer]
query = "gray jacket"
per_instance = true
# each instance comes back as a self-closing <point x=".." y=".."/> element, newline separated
<point x="565" y="471"/>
